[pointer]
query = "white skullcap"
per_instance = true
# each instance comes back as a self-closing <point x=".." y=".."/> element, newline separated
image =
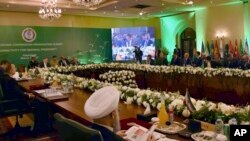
<point x="102" y="102"/>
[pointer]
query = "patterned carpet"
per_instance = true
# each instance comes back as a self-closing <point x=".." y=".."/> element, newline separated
<point x="7" y="124"/>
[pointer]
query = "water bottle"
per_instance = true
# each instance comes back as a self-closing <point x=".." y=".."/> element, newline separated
<point x="232" y="121"/>
<point x="171" y="115"/>
<point x="219" y="125"/>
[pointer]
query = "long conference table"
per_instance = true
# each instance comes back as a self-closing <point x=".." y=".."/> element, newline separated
<point x="227" y="89"/>
<point x="73" y="107"/>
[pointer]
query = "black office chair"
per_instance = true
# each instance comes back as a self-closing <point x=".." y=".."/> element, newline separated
<point x="14" y="107"/>
<point x="71" y="130"/>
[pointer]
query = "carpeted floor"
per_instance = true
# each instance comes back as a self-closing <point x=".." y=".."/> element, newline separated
<point x="7" y="124"/>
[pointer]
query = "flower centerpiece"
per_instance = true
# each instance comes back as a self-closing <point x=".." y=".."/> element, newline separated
<point x="123" y="78"/>
<point x="205" y="110"/>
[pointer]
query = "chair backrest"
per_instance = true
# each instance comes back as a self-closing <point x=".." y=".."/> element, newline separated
<point x="71" y="130"/>
<point x="1" y="92"/>
<point x="1" y="98"/>
<point x="11" y="107"/>
<point x="2" y="83"/>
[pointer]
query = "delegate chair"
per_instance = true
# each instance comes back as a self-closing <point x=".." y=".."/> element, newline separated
<point x="70" y="130"/>
<point x="13" y="107"/>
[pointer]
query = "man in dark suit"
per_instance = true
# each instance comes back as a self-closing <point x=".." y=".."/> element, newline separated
<point x="231" y="62"/>
<point x="177" y="51"/>
<point x="207" y="62"/>
<point x="74" y="61"/>
<point x="161" y="58"/>
<point x="3" y="65"/>
<point x="197" y="60"/>
<point x="244" y="63"/>
<point x="44" y="63"/>
<point x="33" y="63"/>
<point x="63" y="61"/>
<point x="149" y="60"/>
<point x="176" y="60"/>
<point x="129" y="41"/>
<point x="216" y="62"/>
<point x="186" y="60"/>
<point x="106" y="133"/>
<point x="138" y="54"/>
<point x="146" y="41"/>
<point x="9" y="85"/>
<point x="12" y="91"/>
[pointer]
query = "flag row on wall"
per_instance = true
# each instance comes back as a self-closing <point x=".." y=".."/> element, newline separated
<point x="221" y="49"/>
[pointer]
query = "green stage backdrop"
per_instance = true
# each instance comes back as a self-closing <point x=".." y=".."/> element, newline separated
<point x="19" y="43"/>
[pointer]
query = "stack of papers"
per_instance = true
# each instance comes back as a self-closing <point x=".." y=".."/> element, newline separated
<point x="49" y="92"/>
<point x="135" y="133"/>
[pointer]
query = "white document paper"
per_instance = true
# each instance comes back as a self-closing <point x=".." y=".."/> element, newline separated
<point x="138" y="133"/>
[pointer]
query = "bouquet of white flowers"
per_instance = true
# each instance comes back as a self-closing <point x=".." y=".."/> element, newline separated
<point x="123" y="78"/>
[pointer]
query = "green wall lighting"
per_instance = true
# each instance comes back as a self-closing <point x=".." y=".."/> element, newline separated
<point x="172" y="26"/>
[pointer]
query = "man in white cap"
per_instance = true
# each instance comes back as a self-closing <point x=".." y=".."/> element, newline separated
<point x="102" y="103"/>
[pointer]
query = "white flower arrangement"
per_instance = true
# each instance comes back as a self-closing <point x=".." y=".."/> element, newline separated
<point x="146" y="96"/>
<point x="207" y="72"/>
<point x="226" y="109"/>
<point x="123" y="78"/>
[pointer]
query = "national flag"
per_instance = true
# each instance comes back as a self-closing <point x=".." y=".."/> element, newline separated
<point x="221" y="49"/>
<point x="241" y="49"/>
<point x="194" y="52"/>
<point x="194" y="49"/>
<point x="247" y="48"/>
<point x="236" y="53"/>
<point x="216" y="48"/>
<point x="208" y="49"/>
<point x="226" y="52"/>
<point x="188" y="102"/>
<point x="231" y="48"/>
<point x="212" y="48"/>
<point x="203" y="50"/>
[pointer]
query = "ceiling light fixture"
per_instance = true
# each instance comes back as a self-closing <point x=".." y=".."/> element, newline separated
<point x="88" y="3"/>
<point x="142" y="12"/>
<point x="49" y="10"/>
<point x="188" y="2"/>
